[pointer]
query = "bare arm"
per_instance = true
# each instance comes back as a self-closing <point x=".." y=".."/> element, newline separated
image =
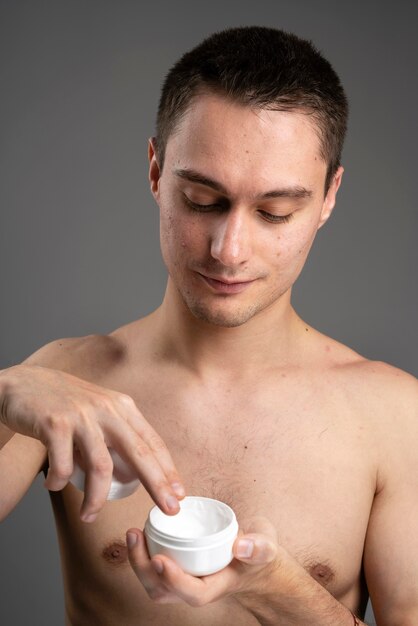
<point x="62" y="411"/>
<point x="21" y="459"/>
<point x="5" y="433"/>
<point x="391" y="548"/>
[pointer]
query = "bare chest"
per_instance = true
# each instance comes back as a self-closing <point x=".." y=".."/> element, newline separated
<point x="299" y="462"/>
<point x="309" y="473"/>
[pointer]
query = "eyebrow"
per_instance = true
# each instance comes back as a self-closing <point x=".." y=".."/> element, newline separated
<point x="284" y="192"/>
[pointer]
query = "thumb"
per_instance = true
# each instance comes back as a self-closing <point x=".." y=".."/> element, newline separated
<point x="254" y="549"/>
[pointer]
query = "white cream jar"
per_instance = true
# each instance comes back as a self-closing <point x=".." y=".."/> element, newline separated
<point x="199" y="537"/>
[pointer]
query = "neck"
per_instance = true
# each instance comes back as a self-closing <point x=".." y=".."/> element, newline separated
<point x="269" y="339"/>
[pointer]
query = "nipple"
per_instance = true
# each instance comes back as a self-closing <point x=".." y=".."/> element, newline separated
<point x="322" y="573"/>
<point x="115" y="553"/>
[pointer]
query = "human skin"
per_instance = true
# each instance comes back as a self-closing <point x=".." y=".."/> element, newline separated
<point x="300" y="435"/>
<point x="251" y="154"/>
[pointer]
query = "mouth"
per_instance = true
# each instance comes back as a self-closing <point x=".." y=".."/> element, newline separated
<point x="224" y="286"/>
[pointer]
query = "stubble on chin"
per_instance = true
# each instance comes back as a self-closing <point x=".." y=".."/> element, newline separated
<point x="221" y="318"/>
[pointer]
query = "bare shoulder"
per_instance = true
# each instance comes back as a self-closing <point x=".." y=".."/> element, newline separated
<point x="381" y="396"/>
<point x="387" y="382"/>
<point x="366" y="379"/>
<point x="380" y="386"/>
<point x="87" y="356"/>
<point x="376" y="390"/>
<point x="391" y="402"/>
<point x="390" y="396"/>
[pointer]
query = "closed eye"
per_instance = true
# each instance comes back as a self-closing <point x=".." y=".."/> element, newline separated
<point x="202" y="207"/>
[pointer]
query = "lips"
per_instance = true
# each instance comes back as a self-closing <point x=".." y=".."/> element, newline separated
<point x="225" y="286"/>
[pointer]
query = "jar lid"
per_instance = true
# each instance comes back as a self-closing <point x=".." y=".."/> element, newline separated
<point x="124" y="480"/>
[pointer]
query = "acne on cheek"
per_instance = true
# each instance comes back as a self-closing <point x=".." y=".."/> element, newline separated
<point x="296" y="248"/>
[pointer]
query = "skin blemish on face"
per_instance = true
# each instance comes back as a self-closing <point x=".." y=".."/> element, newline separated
<point x="115" y="553"/>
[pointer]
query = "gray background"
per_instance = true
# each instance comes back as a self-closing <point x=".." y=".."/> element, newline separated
<point x="79" y="231"/>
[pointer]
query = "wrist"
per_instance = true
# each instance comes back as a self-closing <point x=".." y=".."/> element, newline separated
<point x="5" y="433"/>
<point x="8" y="378"/>
<point x="269" y="614"/>
<point x="4" y="386"/>
<point x="285" y="592"/>
<point x="272" y="582"/>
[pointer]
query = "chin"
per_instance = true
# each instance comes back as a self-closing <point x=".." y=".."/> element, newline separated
<point x="224" y="319"/>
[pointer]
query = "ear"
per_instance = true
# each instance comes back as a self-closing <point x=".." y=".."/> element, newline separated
<point x="330" y="198"/>
<point x="154" y="168"/>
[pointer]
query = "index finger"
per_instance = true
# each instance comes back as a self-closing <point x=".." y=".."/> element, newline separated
<point x="155" y="443"/>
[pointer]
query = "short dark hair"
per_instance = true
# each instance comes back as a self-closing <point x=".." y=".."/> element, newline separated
<point x="263" y="68"/>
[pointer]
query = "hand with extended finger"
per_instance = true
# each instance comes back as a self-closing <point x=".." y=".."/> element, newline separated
<point x="75" y="418"/>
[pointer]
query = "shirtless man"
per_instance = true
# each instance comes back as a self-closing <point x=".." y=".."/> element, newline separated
<point x="224" y="388"/>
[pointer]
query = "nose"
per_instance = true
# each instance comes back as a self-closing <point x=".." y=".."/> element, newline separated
<point x="230" y="244"/>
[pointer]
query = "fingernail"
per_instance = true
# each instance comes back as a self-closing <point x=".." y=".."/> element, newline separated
<point x="245" y="548"/>
<point x="178" y="489"/>
<point x="172" y="502"/>
<point x="158" y="566"/>
<point x="89" y="518"/>
<point x="131" y="539"/>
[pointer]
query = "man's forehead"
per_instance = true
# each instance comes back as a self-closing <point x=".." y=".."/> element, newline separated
<point x="213" y="122"/>
<point x="237" y="146"/>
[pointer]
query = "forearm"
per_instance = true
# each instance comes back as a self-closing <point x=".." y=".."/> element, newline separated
<point x="5" y="433"/>
<point x="303" y="602"/>
<point x="21" y="458"/>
